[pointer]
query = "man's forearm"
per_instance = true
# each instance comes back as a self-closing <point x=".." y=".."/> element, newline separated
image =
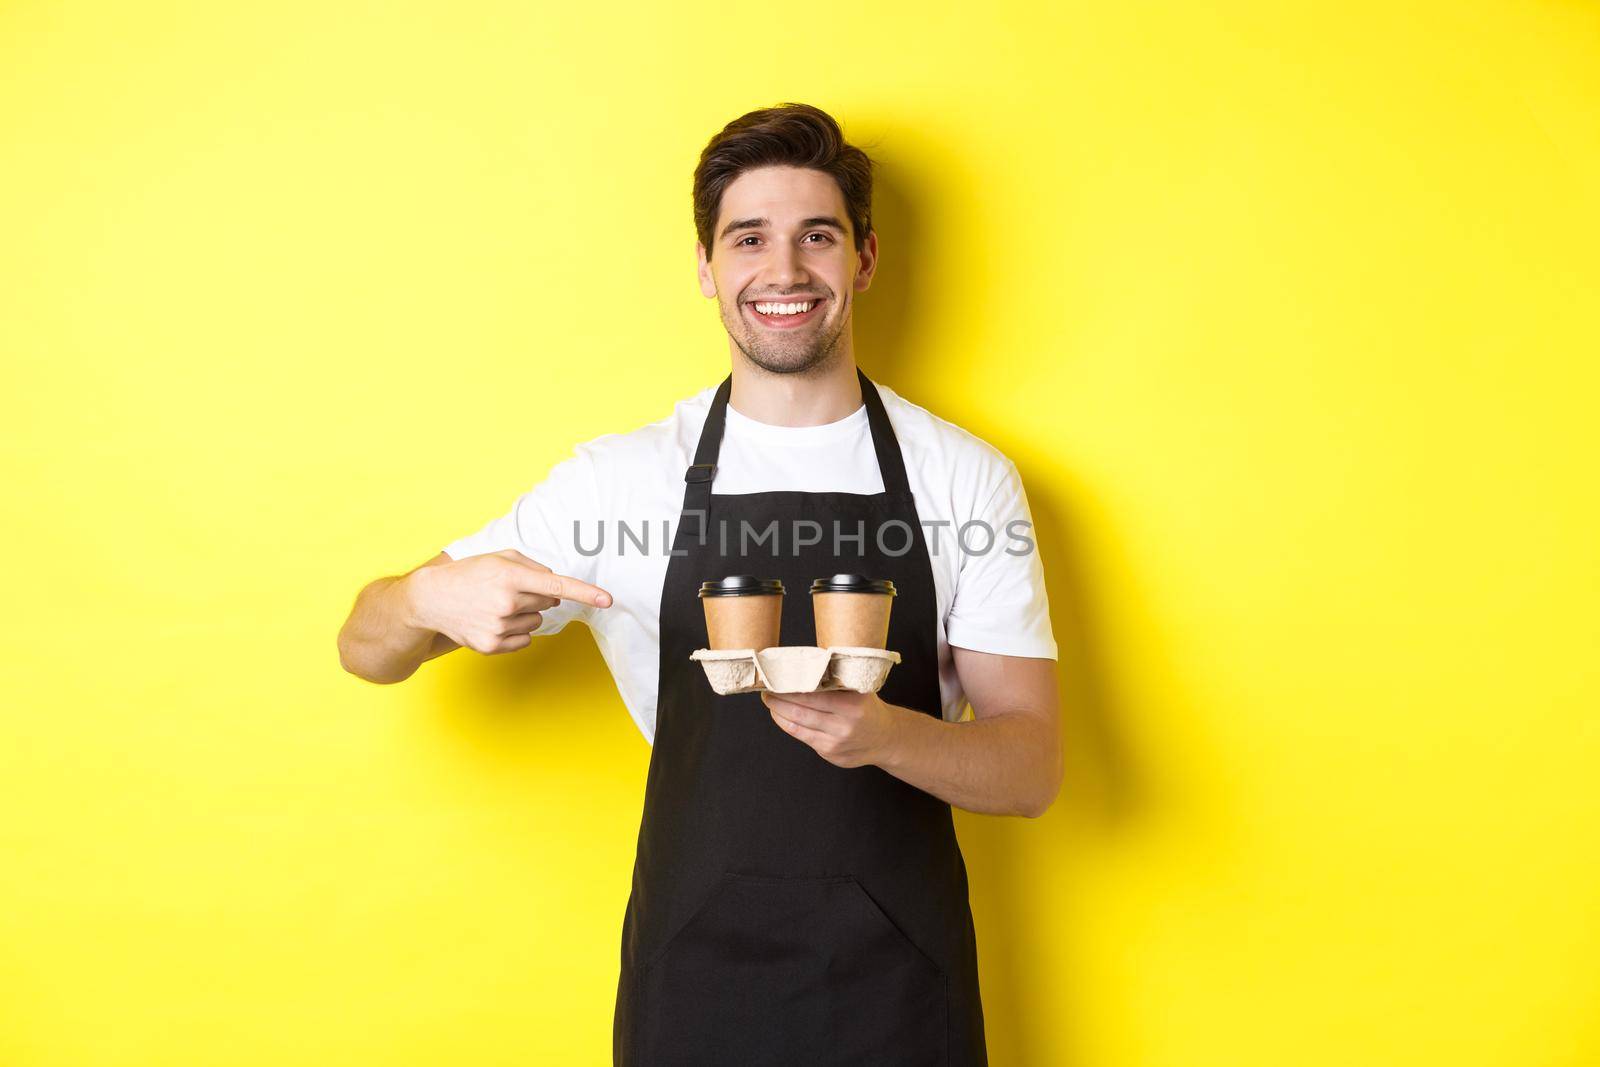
<point x="1003" y="764"/>
<point x="381" y="641"/>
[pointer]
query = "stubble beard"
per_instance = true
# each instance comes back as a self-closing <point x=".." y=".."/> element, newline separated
<point x="778" y="357"/>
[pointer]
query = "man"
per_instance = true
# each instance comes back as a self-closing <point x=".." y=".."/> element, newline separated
<point x="798" y="894"/>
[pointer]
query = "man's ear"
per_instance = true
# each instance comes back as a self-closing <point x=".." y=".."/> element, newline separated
<point x="708" y="284"/>
<point x="866" y="262"/>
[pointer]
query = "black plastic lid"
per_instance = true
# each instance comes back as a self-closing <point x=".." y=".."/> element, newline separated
<point x="742" y="585"/>
<point x="852" y="583"/>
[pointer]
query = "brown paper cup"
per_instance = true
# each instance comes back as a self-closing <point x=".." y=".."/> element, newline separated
<point x="743" y="621"/>
<point x="742" y="612"/>
<point x="854" y="620"/>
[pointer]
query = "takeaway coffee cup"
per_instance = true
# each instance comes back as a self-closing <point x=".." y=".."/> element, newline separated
<point x="852" y="611"/>
<point x="743" y="611"/>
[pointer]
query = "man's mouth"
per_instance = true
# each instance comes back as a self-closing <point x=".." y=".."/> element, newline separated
<point x="784" y="314"/>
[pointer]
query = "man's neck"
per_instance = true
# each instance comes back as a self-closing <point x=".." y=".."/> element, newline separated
<point x="814" y="399"/>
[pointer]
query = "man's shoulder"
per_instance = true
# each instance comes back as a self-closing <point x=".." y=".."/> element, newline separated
<point x="929" y="438"/>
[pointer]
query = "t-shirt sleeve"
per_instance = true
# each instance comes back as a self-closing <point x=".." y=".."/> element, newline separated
<point x="540" y="526"/>
<point x="1000" y="604"/>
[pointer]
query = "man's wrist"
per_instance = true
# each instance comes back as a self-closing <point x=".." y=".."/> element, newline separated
<point x="410" y="593"/>
<point x="900" y="733"/>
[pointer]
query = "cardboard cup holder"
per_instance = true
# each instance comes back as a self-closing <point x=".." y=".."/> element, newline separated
<point x="795" y="668"/>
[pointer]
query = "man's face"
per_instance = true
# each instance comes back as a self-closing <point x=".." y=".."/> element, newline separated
<point x="783" y="237"/>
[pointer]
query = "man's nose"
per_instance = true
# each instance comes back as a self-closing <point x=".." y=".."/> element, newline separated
<point x="785" y="267"/>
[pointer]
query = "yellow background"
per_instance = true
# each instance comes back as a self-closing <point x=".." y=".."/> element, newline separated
<point x="1287" y="316"/>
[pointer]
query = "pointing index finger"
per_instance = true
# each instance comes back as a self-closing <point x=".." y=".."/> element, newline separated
<point x="562" y="587"/>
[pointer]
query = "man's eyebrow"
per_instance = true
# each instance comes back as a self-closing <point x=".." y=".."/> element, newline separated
<point x="756" y="224"/>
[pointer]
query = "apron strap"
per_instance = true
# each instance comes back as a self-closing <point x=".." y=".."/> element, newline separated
<point x="697" y="479"/>
<point x="891" y="464"/>
<point x="697" y="491"/>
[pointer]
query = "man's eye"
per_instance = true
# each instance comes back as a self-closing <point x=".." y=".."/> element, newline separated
<point x="752" y="237"/>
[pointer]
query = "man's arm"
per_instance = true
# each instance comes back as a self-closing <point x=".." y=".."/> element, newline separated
<point x="1006" y="760"/>
<point x="490" y="603"/>
<point x="380" y="641"/>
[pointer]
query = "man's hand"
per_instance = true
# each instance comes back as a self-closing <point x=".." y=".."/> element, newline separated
<point x="1005" y="761"/>
<point x="492" y="603"/>
<point x="846" y="728"/>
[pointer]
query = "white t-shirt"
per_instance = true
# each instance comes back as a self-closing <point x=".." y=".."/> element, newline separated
<point x="590" y="516"/>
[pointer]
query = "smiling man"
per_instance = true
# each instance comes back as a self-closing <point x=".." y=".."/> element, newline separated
<point x="798" y="892"/>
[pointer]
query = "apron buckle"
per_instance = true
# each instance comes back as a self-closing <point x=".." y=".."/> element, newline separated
<point x="699" y="472"/>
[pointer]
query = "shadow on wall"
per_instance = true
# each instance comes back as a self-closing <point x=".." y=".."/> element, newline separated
<point x="883" y="314"/>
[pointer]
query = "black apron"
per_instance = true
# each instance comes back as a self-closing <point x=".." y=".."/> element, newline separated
<point x="785" y="910"/>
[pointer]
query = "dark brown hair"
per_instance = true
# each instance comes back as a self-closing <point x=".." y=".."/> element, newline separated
<point x="793" y="135"/>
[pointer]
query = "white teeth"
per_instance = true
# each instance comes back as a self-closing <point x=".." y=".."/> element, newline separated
<point x="785" y="309"/>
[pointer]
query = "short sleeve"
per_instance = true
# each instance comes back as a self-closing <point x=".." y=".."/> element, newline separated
<point x="541" y="525"/>
<point x="1000" y="604"/>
